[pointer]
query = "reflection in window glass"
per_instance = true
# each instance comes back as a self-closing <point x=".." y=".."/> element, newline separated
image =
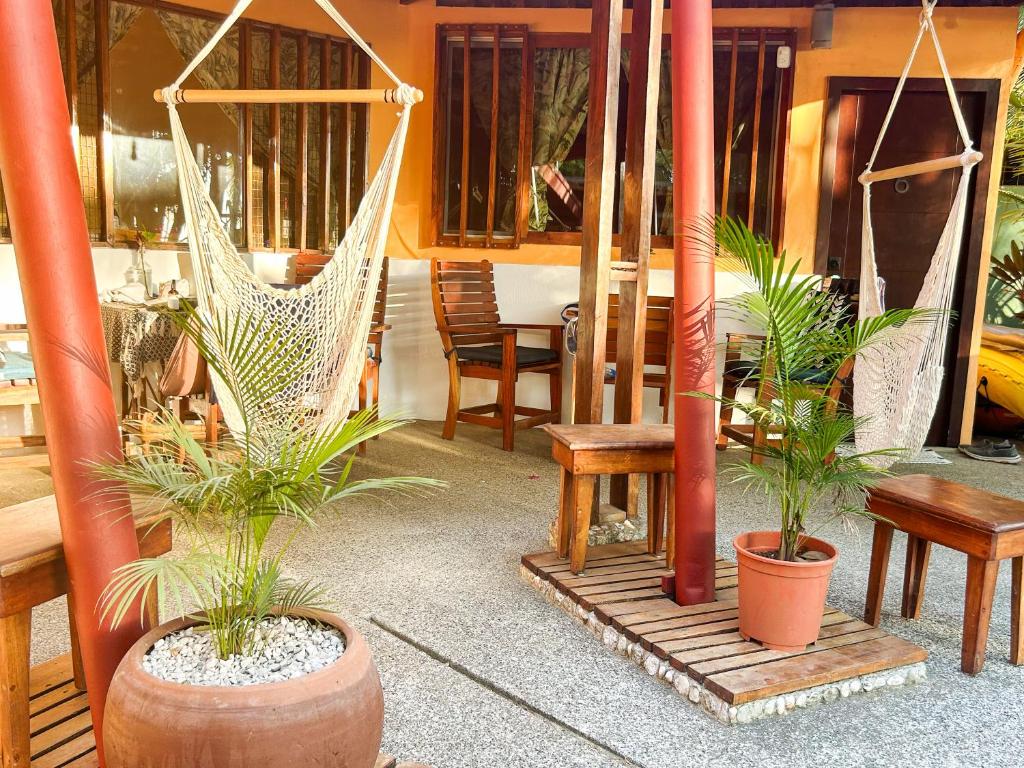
<point x="89" y="110"/>
<point x="314" y="175"/>
<point x="290" y="191"/>
<point x="149" y="48"/>
<point x="262" y="217"/>
<point x="341" y="115"/>
<point x="470" y="206"/>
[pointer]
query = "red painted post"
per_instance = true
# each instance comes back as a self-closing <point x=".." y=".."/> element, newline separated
<point x="54" y="257"/>
<point x="693" y="107"/>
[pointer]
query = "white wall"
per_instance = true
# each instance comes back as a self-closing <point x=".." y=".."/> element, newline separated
<point x="414" y="378"/>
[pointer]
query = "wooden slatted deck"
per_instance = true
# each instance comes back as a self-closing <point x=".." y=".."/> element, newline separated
<point x="62" y="726"/>
<point x="59" y="720"/>
<point x="698" y="648"/>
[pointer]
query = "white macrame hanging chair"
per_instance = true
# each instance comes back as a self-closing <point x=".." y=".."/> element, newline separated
<point x="337" y="303"/>
<point x="897" y="384"/>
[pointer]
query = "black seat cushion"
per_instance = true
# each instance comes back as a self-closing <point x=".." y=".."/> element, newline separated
<point x="747" y="369"/>
<point x="491" y="355"/>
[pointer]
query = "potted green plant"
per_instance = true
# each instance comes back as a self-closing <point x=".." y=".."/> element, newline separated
<point x="808" y="341"/>
<point x="255" y="671"/>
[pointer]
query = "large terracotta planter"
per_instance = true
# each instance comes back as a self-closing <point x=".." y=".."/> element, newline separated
<point x="331" y="718"/>
<point x="781" y="603"/>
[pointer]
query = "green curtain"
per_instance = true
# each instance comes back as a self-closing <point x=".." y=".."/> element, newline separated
<point x="122" y="17"/>
<point x="188" y="34"/>
<point x="561" y="85"/>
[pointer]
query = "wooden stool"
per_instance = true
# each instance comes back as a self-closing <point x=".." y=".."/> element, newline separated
<point x="32" y="572"/>
<point x="987" y="527"/>
<point x="587" y="451"/>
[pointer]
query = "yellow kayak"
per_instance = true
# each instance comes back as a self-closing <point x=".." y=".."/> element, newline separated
<point x="1001" y="367"/>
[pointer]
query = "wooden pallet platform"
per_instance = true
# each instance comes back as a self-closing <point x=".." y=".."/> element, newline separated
<point x="62" y="726"/>
<point x="699" y="646"/>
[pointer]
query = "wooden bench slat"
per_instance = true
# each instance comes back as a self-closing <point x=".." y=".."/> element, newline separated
<point x="795" y="673"/>
<point x="591" y="437"/>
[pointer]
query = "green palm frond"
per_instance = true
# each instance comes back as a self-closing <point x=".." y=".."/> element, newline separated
<point x="194" y="579"/>
<point x="804" y="333"/>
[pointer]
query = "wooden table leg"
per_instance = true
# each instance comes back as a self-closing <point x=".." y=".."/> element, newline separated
<point x="914" y="577"/>
<point x="15" y="639"/>
<point x="76" y="651"/>
<point x="565" y="512"/>
<point x="670" y="535"/>
<point x="1016" y="611"/>
<point x="880" y="547"/>
<point x="981" y="585"/>
<point x="583" y="500"/>
<point x="655" y="513"/>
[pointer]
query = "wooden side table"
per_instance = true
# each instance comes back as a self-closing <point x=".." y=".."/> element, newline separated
<point x="988" y="528"/>
<point x="32" y="572"/>
<point x="587" y="451"/>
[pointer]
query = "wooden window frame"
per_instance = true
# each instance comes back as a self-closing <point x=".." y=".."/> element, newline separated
<point x="498" y="32"/>
<point x="358" y="144"/>
<point x="533" y="41"/>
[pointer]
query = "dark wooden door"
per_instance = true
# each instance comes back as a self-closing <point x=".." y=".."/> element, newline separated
<point x="908" y="214"/>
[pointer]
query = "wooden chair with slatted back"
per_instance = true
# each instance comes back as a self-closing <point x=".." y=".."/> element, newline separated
<point x="308" y="266"/>
<point x="658" y="346"/>
<point x="478" y="345"/>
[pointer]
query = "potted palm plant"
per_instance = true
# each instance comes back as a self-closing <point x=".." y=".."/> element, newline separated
<point x="256" y="671"/>
<point x="808" y="341"/>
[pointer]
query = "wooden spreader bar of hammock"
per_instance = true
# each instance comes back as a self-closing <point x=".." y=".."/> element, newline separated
<point x="925" y="166"/>
<point x="304" y="96"/>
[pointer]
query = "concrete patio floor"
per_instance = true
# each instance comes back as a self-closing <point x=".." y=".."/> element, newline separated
<point x="479" y="671"/>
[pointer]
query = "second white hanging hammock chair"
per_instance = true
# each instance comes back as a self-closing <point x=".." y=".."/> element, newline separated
<point x="897" y="385"/>
<point x="337" y="304"/>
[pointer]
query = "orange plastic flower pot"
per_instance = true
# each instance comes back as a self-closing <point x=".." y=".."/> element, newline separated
<point x="781" y="603"/>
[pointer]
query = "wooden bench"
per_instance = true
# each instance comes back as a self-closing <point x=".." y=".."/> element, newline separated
<point x="986" y="527"/>
<point x="587" y="451"/>
<point x="32" y="572"/>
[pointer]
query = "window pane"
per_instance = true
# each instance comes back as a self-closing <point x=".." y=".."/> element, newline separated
<point x="360" y="69"/>
<point x="455" y="67"/>
<point x="291" y="193"/>
<point x="481" y="90"/>
<point x="262" y="218"/>
<point x="722" y="58"/>
<point x="89" y="113"/>
<point x="507" y="175"/>
<point x="742" y="139"/>
<point x="771" y="107"/>
<point x="314" y="175"/>
<point x="476" y="118"/>
<point x="152" y="46"/>
<point x="341" y="129"/>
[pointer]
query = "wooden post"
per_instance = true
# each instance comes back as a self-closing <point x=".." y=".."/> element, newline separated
<point x="638" y="203"/>
<point x="693" y="107"/>
<point x="598" y="210"/>
<point x="54" y="257"/>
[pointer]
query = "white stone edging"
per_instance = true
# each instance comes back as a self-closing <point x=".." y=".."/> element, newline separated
<point x="697" y="693"/>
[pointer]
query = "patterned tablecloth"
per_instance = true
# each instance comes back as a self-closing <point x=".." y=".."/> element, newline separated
<point x="137" y="335"/>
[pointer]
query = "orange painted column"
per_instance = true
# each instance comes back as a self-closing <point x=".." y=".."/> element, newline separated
<point x="693" y="109"/>
<point x="54" y="257"/>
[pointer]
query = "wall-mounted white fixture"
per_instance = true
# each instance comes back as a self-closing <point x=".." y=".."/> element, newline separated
<point x="784" y="57"/>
